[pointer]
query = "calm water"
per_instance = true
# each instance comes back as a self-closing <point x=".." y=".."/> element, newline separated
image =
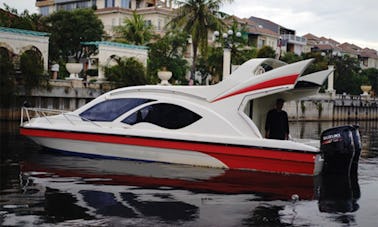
<point x="41" y="188"/>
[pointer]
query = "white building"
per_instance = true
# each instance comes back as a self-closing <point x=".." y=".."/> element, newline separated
<point x="109" y="51"/>
<point x="17" y="41"/>
<point x="113" y="12"/>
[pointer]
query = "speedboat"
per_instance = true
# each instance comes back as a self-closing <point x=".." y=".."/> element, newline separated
<point x="217" y="125"/>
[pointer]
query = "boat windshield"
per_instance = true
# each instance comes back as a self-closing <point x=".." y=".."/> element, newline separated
<point x="164" y="115"/>
<point x="111" y="109"/>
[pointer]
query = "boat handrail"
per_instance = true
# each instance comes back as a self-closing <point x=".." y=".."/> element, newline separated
<point x="38" y="112"/>
<point x="45" y="112"/>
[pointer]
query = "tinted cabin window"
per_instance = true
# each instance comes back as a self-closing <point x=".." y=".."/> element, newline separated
<point x="109" y="110"/>
<point x="164" y="115"/>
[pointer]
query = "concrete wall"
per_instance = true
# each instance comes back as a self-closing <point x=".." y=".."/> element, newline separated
<point x="322" y="108"/>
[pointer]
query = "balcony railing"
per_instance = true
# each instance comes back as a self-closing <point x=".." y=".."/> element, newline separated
<point x="294" y="39"/>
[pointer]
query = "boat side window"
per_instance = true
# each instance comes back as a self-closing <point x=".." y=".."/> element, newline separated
<point x="109" y="110"/>
<point x="164" y="115"/>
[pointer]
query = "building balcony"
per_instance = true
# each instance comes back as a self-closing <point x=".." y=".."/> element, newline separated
<point x="42" y="3"/>
<point x="293" y="39"/>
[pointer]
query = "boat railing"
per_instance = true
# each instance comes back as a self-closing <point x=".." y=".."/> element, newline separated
<point x="27" y="113"/>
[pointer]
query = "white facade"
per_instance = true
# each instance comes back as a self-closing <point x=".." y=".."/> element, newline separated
<point x="17" y="41"/>
<point x="113" y="12"/>
<point x="107" y="51"/>
<point x="157" y="17"/>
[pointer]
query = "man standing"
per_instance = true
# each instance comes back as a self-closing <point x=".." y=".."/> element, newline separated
<point x="277" y="125"/>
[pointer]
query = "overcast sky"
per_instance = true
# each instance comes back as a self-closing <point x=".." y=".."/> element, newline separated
<point x="353" y="21"/>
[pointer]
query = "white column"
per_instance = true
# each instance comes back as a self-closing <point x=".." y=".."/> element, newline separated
<point x="226" y="62"/>
<point x="330" y="81"/>
<point x="133" y="4"/>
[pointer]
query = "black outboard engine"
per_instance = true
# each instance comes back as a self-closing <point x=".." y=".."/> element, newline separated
<point x="340" y="147"/>
<point x="357" y="149"/>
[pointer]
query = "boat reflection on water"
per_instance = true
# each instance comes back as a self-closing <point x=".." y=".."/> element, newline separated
<point x="75" y="187"/>
<point x="156" y="175"/>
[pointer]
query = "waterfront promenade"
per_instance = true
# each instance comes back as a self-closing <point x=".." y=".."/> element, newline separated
<point x="326" y="107"/>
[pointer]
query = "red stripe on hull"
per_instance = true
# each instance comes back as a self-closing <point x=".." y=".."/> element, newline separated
<point x="235" y="157"/>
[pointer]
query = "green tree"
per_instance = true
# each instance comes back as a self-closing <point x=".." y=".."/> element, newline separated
<point x="212" y="64"/>
<point x="68" y="29"/>
<point x="198" y="18"/>
<point x="168" y="52"/>
<point x="7" y="83"/>
<point x="10" y="17"/>
<point x="127" y="72"/>
<point x="266" y="52"/>
<point x="31" y="66"/>
<point x="135" y="31"/>
<point x="346" y="75"/>
<point x="290" y="57"/>
<point x="320" y="62"/>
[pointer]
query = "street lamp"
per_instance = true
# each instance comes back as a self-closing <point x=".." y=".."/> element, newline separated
<point x="228" y="44"/>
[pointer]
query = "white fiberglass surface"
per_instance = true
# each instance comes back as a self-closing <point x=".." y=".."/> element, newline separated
<point x="131" y="152"/>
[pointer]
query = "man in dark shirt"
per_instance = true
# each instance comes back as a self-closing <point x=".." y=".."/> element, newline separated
<point x="276" y="125"/>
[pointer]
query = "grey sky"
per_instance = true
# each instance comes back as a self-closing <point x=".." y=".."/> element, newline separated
<point x="352" y="21"/>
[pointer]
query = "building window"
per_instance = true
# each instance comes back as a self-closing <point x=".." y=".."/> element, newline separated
<point x="109" y="3"/>
<point x="260" y="43"/>
<point x="148" y="22"/>
<point x="159" y="25"/>
<point x="126" y="4"/>
<point x="44" y="10"/>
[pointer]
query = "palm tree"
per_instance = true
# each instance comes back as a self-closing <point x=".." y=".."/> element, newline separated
<point x="135" y="31"/>
<point x="198" y="17"/>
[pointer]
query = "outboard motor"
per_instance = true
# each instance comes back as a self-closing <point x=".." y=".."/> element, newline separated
<point x="357" y="149"/>
<point x="340" y="147"/>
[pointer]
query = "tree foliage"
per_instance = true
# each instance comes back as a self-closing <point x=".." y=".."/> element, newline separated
<point x="346" y="75"/>
<point x="371" y="75"/>
<point x="211" y="65"/>
<point x="198" y="18"/>
<point x="320" y="62"/>
<point x="135" y="31"/>
<point x="266" y="52"/>
<point x="127" y="72"/>
<point x="68" y="29"/>
<point x="290" y="57"/>
<point x="167" y="52"/>
<point x="7" y="83"/>
<point x="31" y="66"/>
<point x="11" y="18"/>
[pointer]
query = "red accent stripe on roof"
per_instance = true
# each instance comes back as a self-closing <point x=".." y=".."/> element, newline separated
<point x="285" y="80"/>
